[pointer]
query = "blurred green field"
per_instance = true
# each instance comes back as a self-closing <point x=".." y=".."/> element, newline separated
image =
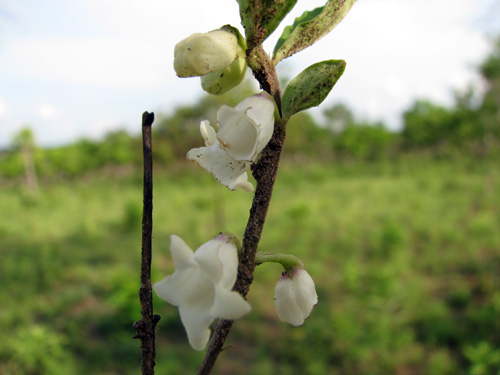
<point x="405" y="255"/>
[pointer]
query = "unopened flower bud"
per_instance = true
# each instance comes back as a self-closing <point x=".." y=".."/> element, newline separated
<point x="295" y="296"/>
<point x="202" y="54"/>
<point x="221" y="81"/>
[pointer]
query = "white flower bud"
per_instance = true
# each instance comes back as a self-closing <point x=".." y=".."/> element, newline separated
<point x="295" y="296"/>
<point x="221" y="81"/>
<point x="202" y="54"/>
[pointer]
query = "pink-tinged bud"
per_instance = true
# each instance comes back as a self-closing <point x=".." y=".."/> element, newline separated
<point x="295" y="296"/>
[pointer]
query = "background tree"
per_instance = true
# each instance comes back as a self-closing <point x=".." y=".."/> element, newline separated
<point x="490" y="107"/>
<point x="364" y="141"/>
<point x="24" y="142"/>
<point x="426" y="125"/>
<point x="338" y="117"/>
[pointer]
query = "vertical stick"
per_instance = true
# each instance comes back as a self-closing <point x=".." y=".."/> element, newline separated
<point x="145" y="328"/>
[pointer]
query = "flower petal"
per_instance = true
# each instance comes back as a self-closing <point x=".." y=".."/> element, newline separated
<point x="187" y="286"/>
<point x="305" y="291"/>
<point x="229" y="305"/>
<point x="260" y="109"/>
<point x="285" y="303"/>
<point x="228" y="256"/>
<point x="195" y="309"/>
<point x="181" y="253"/>
<point x="238" y="134"/>
<point x="207" y="258"/>
<point x="171" y="288"/>
<point x="207" y="132"/>
<point x="214" y="159"/>
<point x="243" y="183"/>
<point x="197" y="325"/>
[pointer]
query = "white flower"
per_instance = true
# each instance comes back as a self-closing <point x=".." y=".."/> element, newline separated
<point x="201" y="286"/>
<point x="200" y="54"/>
<point x="295" y="296"/>
<point x="244" y="132"/>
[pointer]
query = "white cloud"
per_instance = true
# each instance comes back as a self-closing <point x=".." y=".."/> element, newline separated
<point x="101" y="126"/>
<point x="4" y="111"/>
<point x="111" y="62"/>
<point x="47" y="111"/>
<point x="7" y="131"/>
<point x="56" y="132"/>
<point x="166" y="21"/>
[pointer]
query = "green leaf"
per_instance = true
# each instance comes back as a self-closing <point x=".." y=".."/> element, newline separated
<point x="306" y="16"/>
<point x="261" y="17"/>
<point x="246" y="15"/>
<point x="241" y="41"/>
<point x="310" y="27"/>
<point x="311" y="86"/>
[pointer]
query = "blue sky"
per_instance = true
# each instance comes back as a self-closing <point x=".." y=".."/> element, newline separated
<point x="81" y="68"/>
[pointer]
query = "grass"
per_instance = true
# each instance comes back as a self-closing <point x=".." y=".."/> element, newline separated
<point x="405" y="256"/>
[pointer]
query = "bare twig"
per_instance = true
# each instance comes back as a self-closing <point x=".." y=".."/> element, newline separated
<point x="264" y="171"/>
<point x="145" y="328"/>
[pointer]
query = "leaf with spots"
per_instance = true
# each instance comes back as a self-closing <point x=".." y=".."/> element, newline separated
<point x="261" y="17"/>
<point x="311" y="86"/>
<point x="310" y="27"/>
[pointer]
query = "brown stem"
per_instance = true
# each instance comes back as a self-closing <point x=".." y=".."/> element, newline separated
<point x="264" y="71"/>
<point x="264" y="171"/>
<point x="145" y="328"/>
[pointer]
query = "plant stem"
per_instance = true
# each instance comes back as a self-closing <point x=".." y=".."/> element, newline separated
<point x="145" y="328"/>
<point x="288" y="261"/>
<point x="264" y="171"/>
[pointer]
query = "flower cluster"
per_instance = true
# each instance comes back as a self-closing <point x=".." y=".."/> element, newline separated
<point x="201" y="286"/>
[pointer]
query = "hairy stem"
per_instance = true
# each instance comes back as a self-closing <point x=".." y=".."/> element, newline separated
<point x="145" y="328"/>
<point x="264" y="171"/>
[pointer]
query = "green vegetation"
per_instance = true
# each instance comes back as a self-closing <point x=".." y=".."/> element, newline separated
<point x="405" y="255"/>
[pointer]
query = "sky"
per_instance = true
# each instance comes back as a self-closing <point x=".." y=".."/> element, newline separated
<point x="82" y="68"/>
